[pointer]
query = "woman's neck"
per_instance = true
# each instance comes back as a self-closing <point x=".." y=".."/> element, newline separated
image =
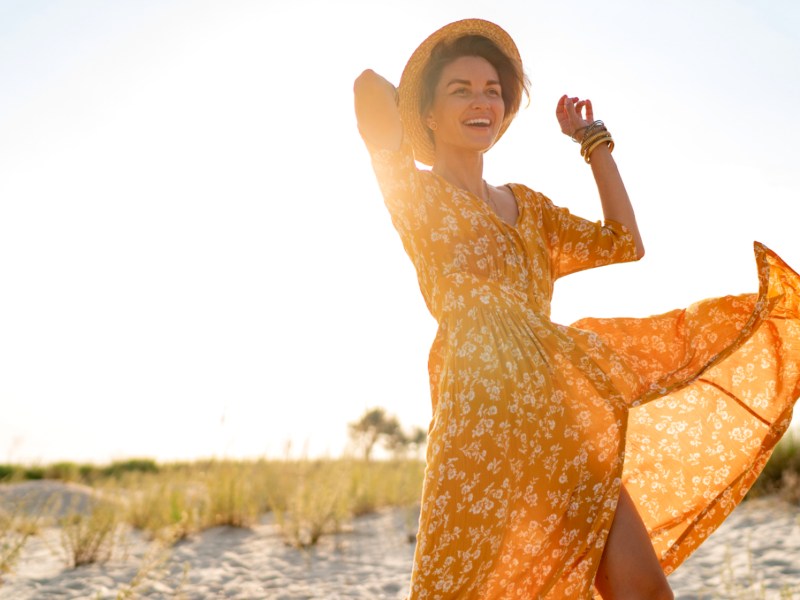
<point x="465" y="172"/>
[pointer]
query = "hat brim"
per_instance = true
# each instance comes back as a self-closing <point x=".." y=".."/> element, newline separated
<point x="410" y="88"/>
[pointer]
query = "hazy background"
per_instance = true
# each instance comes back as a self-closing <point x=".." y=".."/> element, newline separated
<point x="194" y="256"/>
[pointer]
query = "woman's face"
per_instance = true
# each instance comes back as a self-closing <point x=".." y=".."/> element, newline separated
<point x="468" y="106"/>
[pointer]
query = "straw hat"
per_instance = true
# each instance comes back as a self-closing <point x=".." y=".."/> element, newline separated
<point x="410" y="88"/>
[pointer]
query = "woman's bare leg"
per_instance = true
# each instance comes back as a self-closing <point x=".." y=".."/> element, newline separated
<point x="629" y="568"/>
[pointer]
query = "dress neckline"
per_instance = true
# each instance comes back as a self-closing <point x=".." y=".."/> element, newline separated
<point x="486" y="206"/>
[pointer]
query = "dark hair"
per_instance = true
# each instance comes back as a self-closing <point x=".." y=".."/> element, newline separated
<point x="513" y="81"/>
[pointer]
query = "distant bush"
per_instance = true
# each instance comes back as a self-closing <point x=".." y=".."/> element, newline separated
<point x="34" y="473"/>
<point x="63" y="471"/>
<point x="89" y="473"/>
<point x="10" y="472"/>
<point x="134" y="465"/>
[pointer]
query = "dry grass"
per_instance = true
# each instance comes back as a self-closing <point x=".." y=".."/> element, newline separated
<point x="167" y="509"/>
<point x="15" y="529"/>
<point x="91" y="538"/>
<point x="153" y="567"/>
<point x="181" y="500"/>
<point x="313" y="498"/>
<point x="311" y="502"/>
<point x="235" y="495"/>
<point x="309" y="499"/>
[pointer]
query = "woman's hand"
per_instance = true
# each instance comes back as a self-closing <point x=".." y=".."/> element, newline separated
<point x="573" y="115"/>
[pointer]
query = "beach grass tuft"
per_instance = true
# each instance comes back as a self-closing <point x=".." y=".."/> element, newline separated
<point x="90" y="538"/>
<point x="152" y="567"/>
<point x="165" y="509"/>
<point x="15" y="529"/>
<point x="234" y="494"/>
<point x="314" y="502"/>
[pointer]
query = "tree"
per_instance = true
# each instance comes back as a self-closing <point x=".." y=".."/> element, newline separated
<point x="376" y="426"/>
<point x="371" y="427"/>
<point x="417" y="439"/>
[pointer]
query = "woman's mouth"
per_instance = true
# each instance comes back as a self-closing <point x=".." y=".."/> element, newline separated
<point x="478" y="122"/>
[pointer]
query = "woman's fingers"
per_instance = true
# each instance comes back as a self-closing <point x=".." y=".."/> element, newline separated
<point x="573" y="101"/>
<point x="574" y="113"/>
<point x="589" y="111"/>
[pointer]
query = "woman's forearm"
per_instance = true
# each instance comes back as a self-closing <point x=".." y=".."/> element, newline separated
<point x="376" y="111"/>
<point x="613" y="196"/>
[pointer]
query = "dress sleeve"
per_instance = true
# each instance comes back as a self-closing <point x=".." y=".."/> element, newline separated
<point x="576" y="244"/>
<point x="401" y="185"/>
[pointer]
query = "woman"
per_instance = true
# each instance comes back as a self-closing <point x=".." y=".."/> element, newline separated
<point x="562" y="461"/>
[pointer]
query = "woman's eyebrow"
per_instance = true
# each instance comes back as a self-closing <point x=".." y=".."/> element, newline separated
<point x="467" y="82"/>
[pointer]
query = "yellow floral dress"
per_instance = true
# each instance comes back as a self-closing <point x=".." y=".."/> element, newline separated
<point x="535" y="425"/>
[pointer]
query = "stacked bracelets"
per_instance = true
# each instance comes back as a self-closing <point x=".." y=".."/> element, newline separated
<point x="593" y="135"/>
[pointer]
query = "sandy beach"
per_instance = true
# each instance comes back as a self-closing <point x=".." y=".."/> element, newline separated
<point x="754" y="555"/>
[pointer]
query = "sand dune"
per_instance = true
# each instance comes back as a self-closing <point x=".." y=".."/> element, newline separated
<point x="755" y="554"/>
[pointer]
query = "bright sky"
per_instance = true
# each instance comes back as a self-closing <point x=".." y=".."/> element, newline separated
<point x="194" y="256"/>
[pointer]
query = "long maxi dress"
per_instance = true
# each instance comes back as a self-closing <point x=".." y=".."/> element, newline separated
<point x="535" y="425"/>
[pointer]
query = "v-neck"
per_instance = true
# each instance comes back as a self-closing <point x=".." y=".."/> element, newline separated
<point x="516" y="202"/>
<point x="486" y="206"/>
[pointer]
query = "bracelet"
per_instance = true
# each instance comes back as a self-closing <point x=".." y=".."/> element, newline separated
<point x="604" y="140"/>
<point x="588" y="131"/>
<point x="573" y="138"/>
<point x="592" y="139"/>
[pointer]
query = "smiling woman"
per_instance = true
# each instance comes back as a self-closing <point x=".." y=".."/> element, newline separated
<point x="561" y="461"/>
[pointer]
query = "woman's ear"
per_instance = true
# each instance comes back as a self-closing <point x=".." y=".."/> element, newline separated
<point x="432" y="125"/>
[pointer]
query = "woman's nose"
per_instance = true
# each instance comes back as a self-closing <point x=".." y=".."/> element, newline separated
<point x="480" y="100"/>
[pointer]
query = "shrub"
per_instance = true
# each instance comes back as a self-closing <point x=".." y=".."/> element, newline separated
<point x="34" y="473"/>
<point x="88" y="473"/>
<point x="63" y="471"/>
<point x="10" y="472"/>
<point x="135" y="465"/>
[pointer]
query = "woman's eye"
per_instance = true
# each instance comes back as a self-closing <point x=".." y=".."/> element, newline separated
<point x="460" y="91"/>
<point x="494" y="92"/>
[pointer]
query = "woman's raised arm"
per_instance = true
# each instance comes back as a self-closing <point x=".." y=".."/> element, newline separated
<point x="376" y="111"/>
<point x="613" y="196"/>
